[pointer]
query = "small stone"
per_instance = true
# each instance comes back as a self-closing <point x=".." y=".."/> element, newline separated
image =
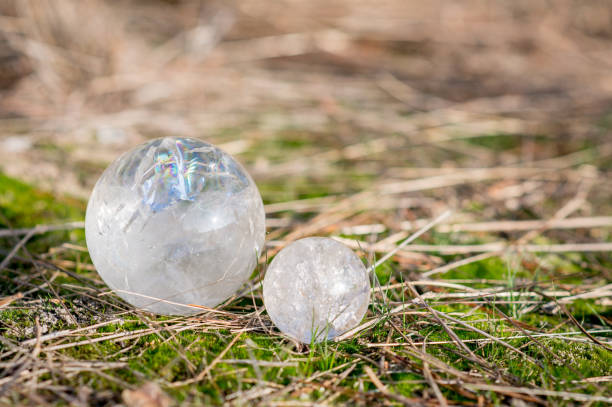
<point x="316" y="289"/>
<point x="174" y="222"/>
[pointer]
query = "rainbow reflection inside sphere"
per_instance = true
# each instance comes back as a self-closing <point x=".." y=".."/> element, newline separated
<point x="173" y="222"/>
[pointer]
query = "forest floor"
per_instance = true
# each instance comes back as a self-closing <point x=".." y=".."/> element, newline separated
<point x="358" y="122"/>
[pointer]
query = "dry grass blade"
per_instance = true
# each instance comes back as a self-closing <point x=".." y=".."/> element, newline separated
<point x="383" y="389"/>
<point x="449" y="331"/>
<point x="412" y="238"/>
<point x="41" y="229"/>
<point x="564" y="335"/>
<point x="359" y="123"/>
<point x="501" y="342"/>
<point x="542" y="392"/>
<point x="432" y="382"/>
<point x="16" y="249"/>
<point x="208" y="368"/>
<point x="529" y="248"/>
<point x="578" y="324"/>
<point x="459" y="263"/>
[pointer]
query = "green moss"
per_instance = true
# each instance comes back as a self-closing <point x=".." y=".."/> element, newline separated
<point x="497" y="142"/>
<point x="23" y="206"/>
<point x="504" y="141"/>
<point x="284" y="144"/>
<point x="492" y="268"/>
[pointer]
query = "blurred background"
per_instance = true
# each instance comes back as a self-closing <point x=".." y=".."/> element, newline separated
<point x="315" y="97"/>
<point x="358" y="120"/>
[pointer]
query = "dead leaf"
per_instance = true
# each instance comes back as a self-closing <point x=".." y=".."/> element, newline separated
<point x="148" y="395"/>
<point x="6" y="301"/>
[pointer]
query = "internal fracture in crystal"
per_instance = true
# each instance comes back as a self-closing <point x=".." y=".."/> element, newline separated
<point x="174" y="222"/>
<point x="316" y="289"/>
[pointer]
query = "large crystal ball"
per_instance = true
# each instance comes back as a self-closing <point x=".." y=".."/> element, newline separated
<point x="316" y="289"/>
<point x="174" y="222"/>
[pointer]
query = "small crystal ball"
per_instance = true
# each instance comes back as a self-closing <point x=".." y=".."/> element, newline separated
<point x="316" y="289"/>
<point x="173" y="222"/>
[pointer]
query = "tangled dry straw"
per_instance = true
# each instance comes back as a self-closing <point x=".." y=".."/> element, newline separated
<point x="357" y="121"/>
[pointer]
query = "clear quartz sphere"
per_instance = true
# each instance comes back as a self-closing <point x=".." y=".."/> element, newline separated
<point x="316" y="289"/>
<point x="175" y="221"/>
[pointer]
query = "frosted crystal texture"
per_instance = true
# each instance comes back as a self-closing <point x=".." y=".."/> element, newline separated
<point x="175" y="219"/>
<point x="316" y="288"/>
